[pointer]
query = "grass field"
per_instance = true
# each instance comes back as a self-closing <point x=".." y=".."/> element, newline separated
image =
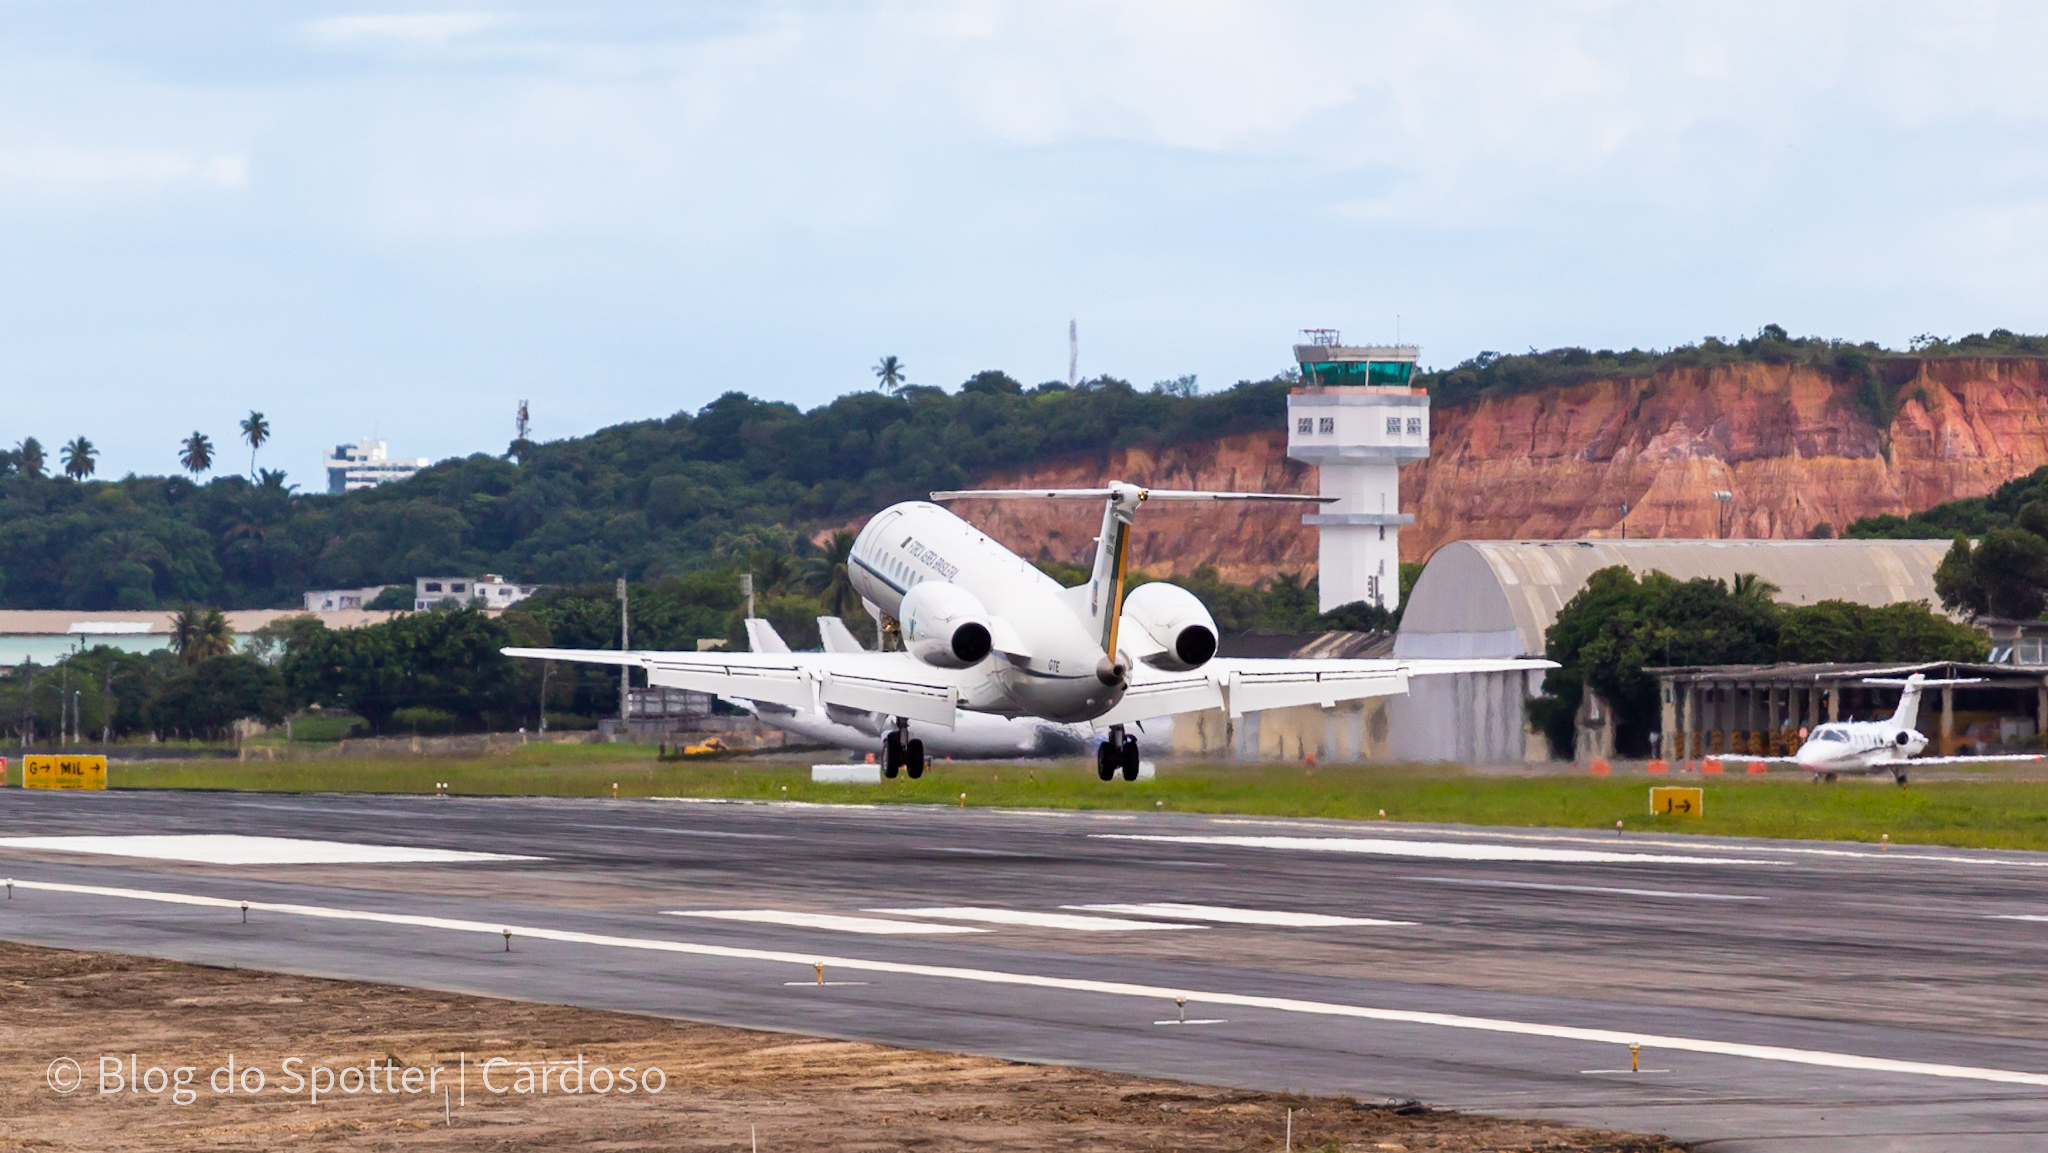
<point x="2000" y="813"/>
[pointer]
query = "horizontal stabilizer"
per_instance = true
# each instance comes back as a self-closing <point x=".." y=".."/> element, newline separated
<point x="1923" y="682"/>
<point x="1107" y="493"/>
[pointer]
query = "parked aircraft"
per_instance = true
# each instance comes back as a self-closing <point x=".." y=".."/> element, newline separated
<point x="982" y="630"/>
<point x="971" y="736"/>
<point x="1887" y="746"/>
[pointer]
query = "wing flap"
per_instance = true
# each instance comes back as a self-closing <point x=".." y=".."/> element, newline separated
<point x="931" y="703"/>
<point x="892" y="683"/>
<point x="1161" y="695"/>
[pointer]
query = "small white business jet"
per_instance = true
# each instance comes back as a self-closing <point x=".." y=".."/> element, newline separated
<point x="972" y="736"/>
<point x="1887" y="746"/>
<point x="984" y="631"/>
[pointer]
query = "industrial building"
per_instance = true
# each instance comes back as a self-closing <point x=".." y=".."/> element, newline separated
<point x="48" y="636"/>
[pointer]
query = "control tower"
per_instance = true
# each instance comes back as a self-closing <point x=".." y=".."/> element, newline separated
<point x="1358" y="420"/>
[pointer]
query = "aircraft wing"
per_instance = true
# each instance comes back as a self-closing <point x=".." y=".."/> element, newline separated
<point x="1972" y="760"/>
<point x="894" y="683"/>
<point x="1242" y="685"/>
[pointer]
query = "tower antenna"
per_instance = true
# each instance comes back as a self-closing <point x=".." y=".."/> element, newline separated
<point x="1073" y="352"/>
<point x="522" y="423"/>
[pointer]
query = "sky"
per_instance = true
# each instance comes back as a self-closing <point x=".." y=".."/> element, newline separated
<point x="400" y="220"/>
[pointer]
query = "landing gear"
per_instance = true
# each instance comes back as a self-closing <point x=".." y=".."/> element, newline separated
<point x="1900" y="777"/>
<point x="902" y="751"/>
<point x="1828" y="777"/>
<point x="1119" y="752"/>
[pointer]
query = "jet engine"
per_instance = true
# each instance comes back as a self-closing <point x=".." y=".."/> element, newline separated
<point x="1175" y="621"/>
<point x="945" y="625"/>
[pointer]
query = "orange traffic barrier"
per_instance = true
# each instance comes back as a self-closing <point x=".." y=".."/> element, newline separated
<point x="1601" y="768"/>
<point x="1657" y="767"/>
<point x="1756" y="766"/>
<point x="1711" y="766"/>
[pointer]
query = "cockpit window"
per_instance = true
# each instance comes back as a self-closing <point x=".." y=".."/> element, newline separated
<point x="1832" y="735"/>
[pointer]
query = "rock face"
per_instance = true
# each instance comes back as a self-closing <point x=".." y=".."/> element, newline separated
<point x="1794" y="446"/>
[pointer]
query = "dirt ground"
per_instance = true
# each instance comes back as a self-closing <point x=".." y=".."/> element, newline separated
<point x="719" y="1088"/>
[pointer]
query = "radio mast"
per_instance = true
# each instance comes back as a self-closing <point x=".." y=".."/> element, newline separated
<point x="1073" y="352"/>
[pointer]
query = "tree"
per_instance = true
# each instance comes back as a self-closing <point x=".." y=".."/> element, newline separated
<point x="255" y="430"/>
<point x="275" y="641"/>
<point x="198" y="454"/>
<point x="199" y="634"/>
<point x="829" y="577"/>
<point x="78" y="458"/>
<point x="205" y="700"/>
<point x="447" y="660"/>
<point x="890" y="370"/>
<point x="29" y="454"/>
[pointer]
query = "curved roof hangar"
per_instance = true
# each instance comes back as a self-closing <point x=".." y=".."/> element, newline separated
<point x="1486" y="598"/>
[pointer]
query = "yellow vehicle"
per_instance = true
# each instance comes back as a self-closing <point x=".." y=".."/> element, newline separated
<point x="707" y="748"/>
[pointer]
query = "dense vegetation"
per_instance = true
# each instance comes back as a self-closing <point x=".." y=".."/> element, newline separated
<point x="645" y="500"/>
<point x="1617" y="626"/>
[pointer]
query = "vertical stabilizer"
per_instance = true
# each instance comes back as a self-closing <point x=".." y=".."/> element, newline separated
<point x="762" y="637"/>
<point x="1908" y="713"/>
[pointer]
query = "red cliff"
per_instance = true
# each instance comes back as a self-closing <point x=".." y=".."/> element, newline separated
<point x="1794" y="446"/>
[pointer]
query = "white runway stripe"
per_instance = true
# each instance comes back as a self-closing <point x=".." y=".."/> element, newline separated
<point x="1436" y="849"/>
<point x="1586" y="889"/>
<point x="1032" y="920"/>
<point x="1229" y="916"/>
<point x="234" y="849"/>
<point x="834" y="921"/>
<point x="1813" y="1057"/>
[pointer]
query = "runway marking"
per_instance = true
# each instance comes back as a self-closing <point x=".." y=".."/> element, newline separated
<point x="1453" y="852"/>
<point x="1586" y="889"/>
<point x="986" y="852"/>
<point x="1196" y="1021"/>
<point x="1230" y="916"/>
<point x="1027" y="919"/>
<point x="837" y="923"/>
<point x="689" y="832"/>
<point x="235" y="849"/>
<point x="491" y="929"/>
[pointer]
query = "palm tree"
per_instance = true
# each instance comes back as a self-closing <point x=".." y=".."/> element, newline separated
<point x="200" y="634"/>
<point x="30" y="453"/>
<point x="1751" y="587"/>
<point x="78" y="458"/>
<point x="891" y="373"/>
<point x="198" y="454"/>
<point x="255" y="430"/>
<point x="829" y="577"/>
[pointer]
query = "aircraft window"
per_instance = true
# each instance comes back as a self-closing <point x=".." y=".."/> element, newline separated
<point x="1832" y="735"/>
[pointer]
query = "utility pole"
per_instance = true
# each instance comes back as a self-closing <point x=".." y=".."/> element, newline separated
<point x="1073" y="352"/>
<point x="625" y="673"/>
<point x="1624" y="520"/>
<point x="747" y="590"/>
<point x="64" y="705"/>
<point x="546" y="667"/>
<point x="107" y="709"/>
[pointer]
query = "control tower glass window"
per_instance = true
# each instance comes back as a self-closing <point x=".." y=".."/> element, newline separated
<point x="1378" y="373"/>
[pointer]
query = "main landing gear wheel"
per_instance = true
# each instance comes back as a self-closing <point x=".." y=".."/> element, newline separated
<point x="913" y="759"/>
<point x="1105" y="762"/>
<point x="1900" y="776"/>
<point x="1130" y="758"/>
<point x="892" y="755"/>
<point x="1828" y="777"/>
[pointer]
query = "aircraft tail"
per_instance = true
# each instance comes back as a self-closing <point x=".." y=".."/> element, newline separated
<point x="1104" y="608"/>
<point x="837" y="637"/>
<point x="1908" y="712"/>
<point x="762" y="637"/>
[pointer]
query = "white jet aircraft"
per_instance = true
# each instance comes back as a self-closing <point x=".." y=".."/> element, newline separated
<point x="1887" y="746"/>
<point x="983" y="630"/>
<point x="970" y="736"/>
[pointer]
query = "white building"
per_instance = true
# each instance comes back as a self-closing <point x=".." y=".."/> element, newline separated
<point x="366" y="465"/>
<point x="1357" y="419"/>
<point x="340" y="600"/>
<point x="494" y="591"/>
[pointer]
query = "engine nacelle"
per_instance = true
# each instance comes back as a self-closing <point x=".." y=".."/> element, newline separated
<point x="1176" y="621"/>
<point x="945" y="625"/>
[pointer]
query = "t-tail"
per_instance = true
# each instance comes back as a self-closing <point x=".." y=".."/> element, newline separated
<point x="1908" y="713"/>
<point x="1103" y="610"/>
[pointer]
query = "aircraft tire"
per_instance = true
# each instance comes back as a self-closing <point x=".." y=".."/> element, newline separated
<point x="1901" y="778"/>
<point x="892" y="756"/>
<point x="1828" y="777"/>
<point x="1129" y="757"/>
<point x="913" y="759"/>
<point x="1105" y="766"/>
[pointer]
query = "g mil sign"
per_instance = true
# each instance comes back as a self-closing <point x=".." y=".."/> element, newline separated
<point x="1673" y="801"/>
<point x="39" y="772"/>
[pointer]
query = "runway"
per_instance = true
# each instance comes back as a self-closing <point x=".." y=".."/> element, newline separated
<point x="1787" y="996"/>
